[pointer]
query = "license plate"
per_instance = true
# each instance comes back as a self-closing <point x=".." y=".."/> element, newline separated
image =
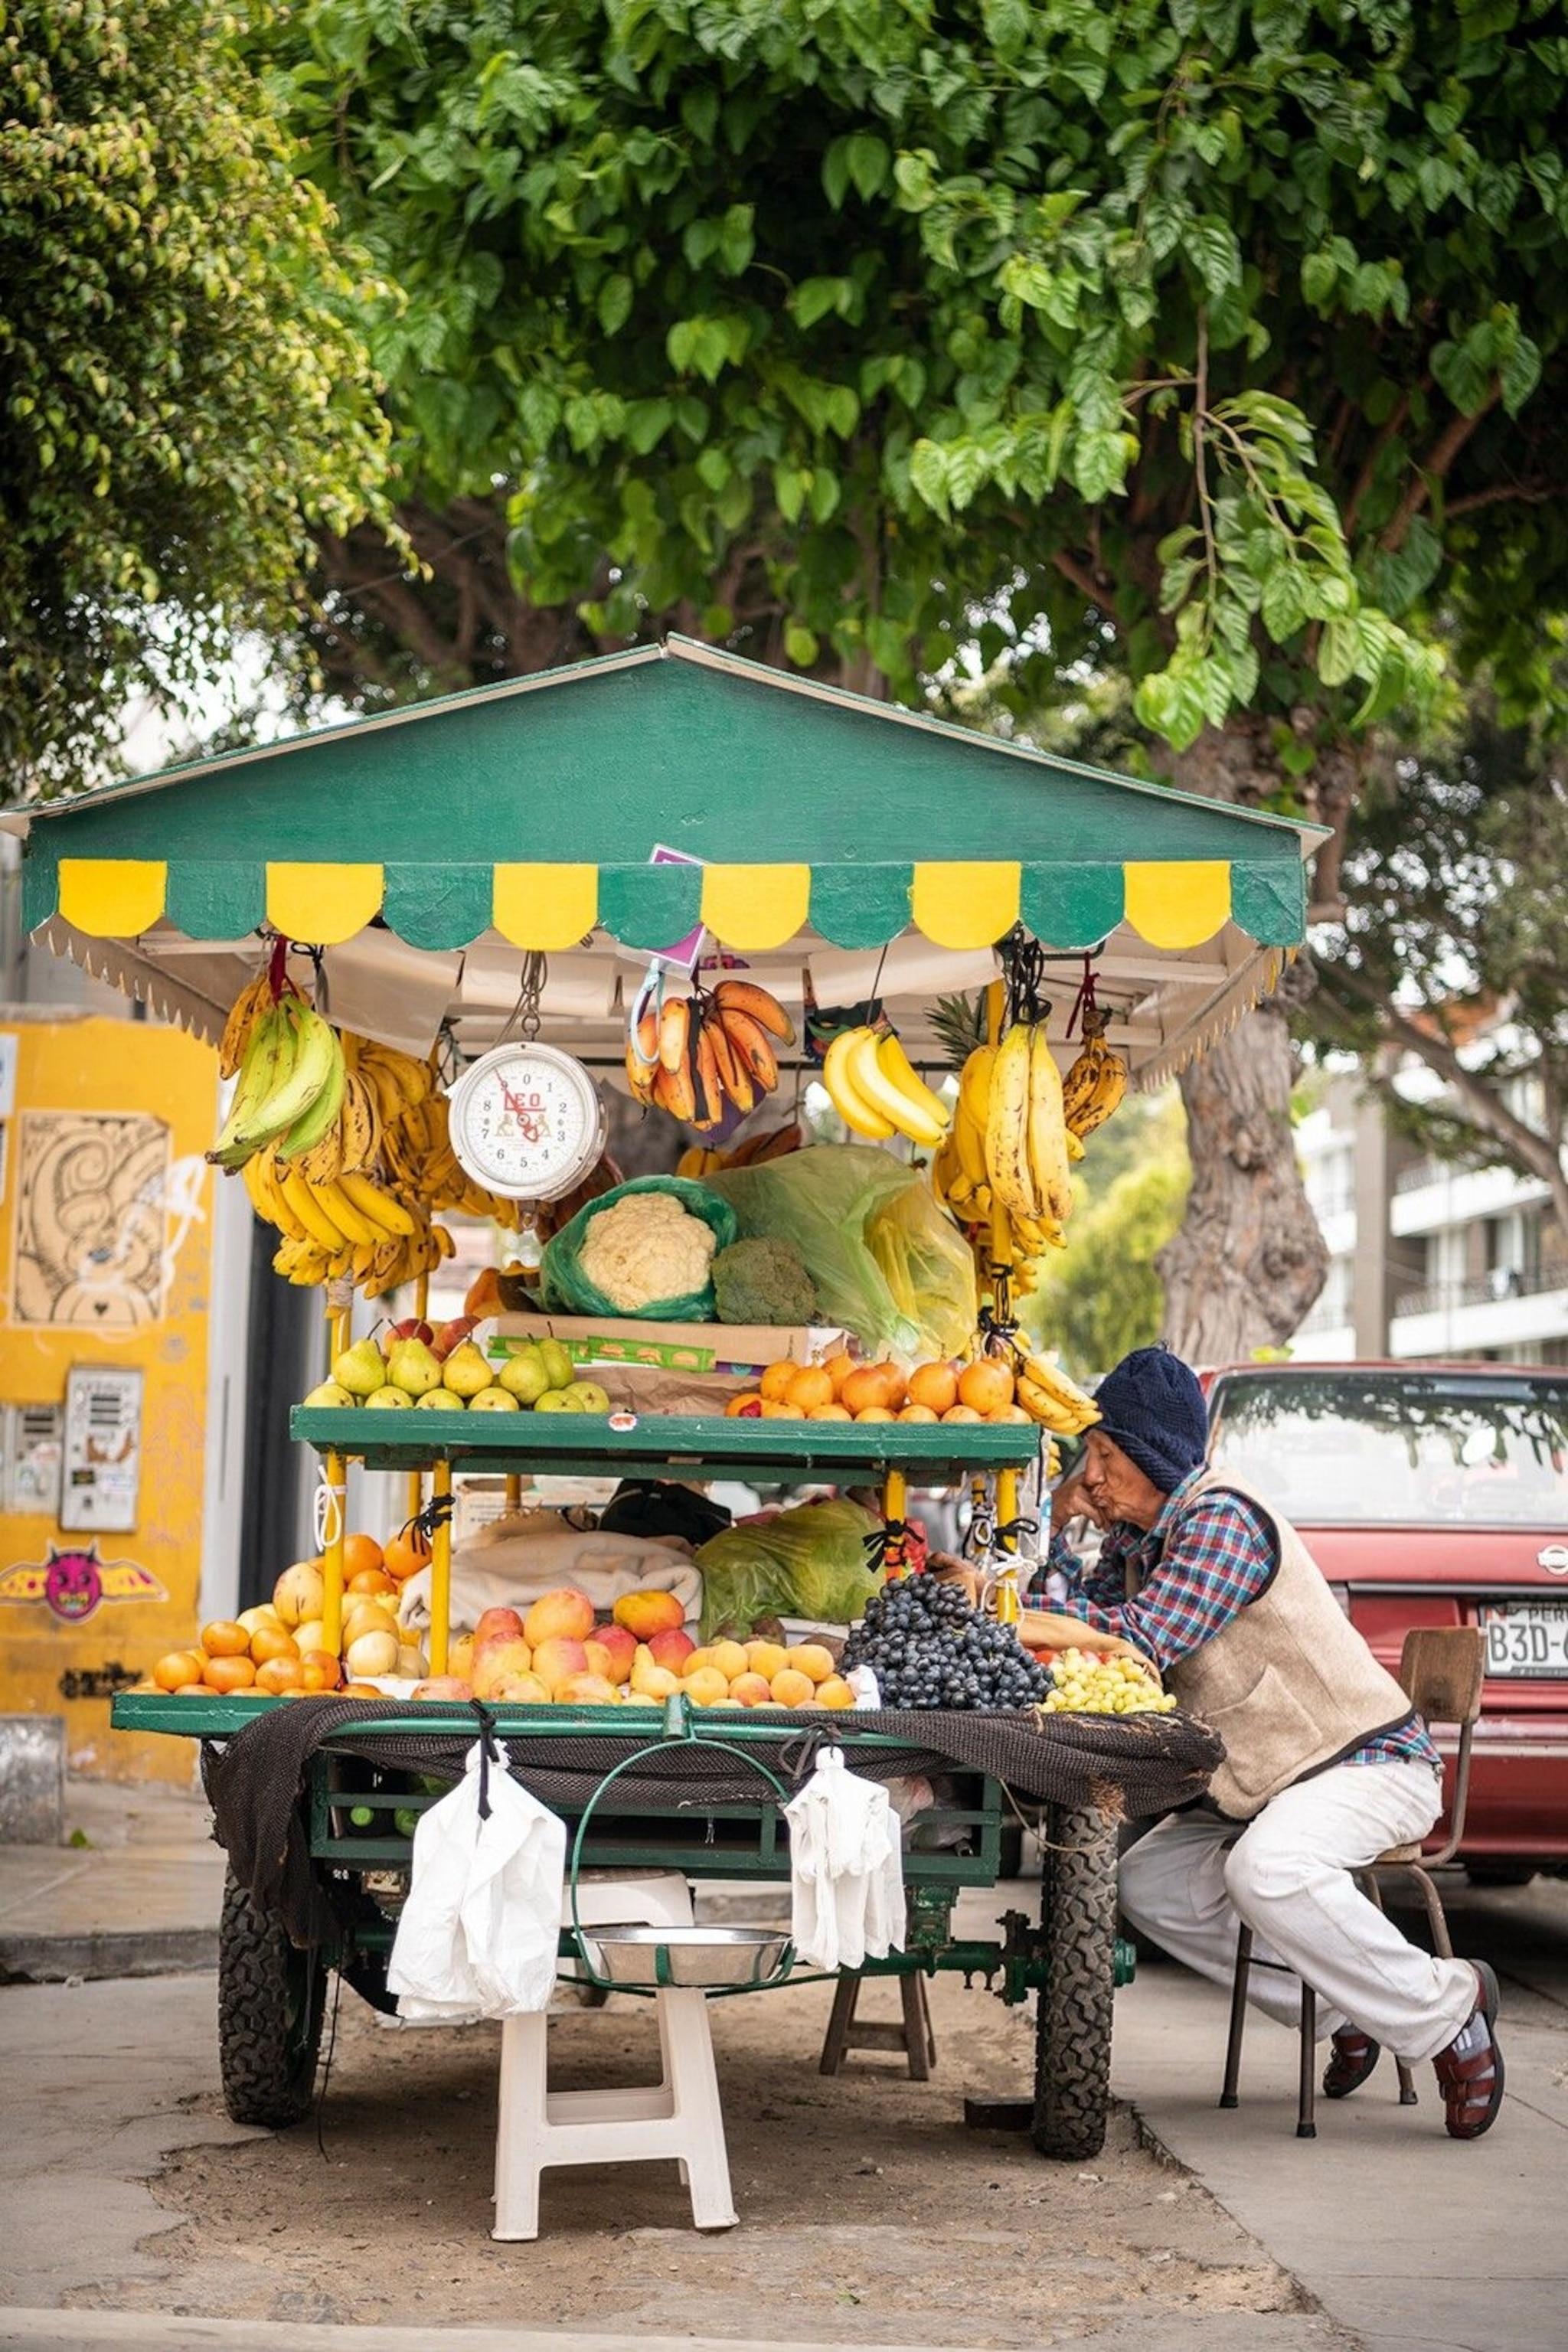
<point x="1527" y="1638"/>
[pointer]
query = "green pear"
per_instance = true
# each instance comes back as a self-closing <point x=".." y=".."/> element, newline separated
<point x="330" y="1395"/>
<point x="524" y="1375"/>
<point x="360" y="1369"/>
<point x="589" y="1397"/>
<point x="557" y="1362"/>
<point x="441" y="1401"/>
<point x="557" y="1400"/>
<point x="493" y="1400"/>
<point x="386" y="1396"/>
<point x="466" y="1371"/>
<point x="411" y="1368"/>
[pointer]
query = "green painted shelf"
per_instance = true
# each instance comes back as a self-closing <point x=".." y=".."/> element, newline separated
<point x="701" y="1445"/>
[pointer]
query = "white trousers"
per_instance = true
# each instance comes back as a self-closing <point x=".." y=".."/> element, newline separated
<point x="1287" y="1876"/>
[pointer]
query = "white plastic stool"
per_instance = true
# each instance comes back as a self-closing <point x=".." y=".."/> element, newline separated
<point x="680" y="2116"/>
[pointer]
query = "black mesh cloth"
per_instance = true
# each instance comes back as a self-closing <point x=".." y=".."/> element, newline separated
<point x="1126" y="1766"/>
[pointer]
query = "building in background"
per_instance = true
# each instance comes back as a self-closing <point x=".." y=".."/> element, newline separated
<point x="1426" y="1257"/>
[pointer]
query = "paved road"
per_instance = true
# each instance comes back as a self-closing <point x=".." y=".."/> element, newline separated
<point x="1414" y="2243"/>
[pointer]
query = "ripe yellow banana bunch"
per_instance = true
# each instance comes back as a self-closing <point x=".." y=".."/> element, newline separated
<point x="701" y="1160"/>
<point x="878" y="1092"/>
<point x="419" y="1151"/>
<point x="1049" y="1396"/>
<point x="1095" y="1083"/>
<point x="351" y="1228"/>
<point x="695" y="1055"/>
<point x="1026" y="1155"/>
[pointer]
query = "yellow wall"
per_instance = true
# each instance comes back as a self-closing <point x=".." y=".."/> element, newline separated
<point x="104" y="1255"/>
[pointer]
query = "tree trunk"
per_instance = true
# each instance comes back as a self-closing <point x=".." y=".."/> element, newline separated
<point x="1249" y="1259"/>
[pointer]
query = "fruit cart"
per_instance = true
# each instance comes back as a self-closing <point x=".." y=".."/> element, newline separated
<point x="426" y="875"/>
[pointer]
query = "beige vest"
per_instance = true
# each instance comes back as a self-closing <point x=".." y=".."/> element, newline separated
<point x="1290" y="1684"/>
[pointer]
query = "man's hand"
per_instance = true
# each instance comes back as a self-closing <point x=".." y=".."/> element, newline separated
<point x="1072" y="1501"/>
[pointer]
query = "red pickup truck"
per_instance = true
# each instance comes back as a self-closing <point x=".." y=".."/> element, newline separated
<point x="1437" y="1494"/>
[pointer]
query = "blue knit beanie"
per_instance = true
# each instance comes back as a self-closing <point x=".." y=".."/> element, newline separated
<point x="1152" y="1407"/>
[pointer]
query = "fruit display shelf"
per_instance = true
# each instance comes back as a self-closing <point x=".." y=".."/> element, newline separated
<point x="695" y="1445"/>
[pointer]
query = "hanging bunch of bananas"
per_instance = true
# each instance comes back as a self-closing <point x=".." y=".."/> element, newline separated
<point x="292" y="1077"/>
<point x="351" y="1228"/>
<point x="1049" y="1396"/>
<point x="701" y="1162"/>
<point x="417" y="1145"/>
<point x="696" y="1055"/>
<point x="1097" y="1081"/>
<point x="1027" y="1153"/>
<point x="876" y="1091"/>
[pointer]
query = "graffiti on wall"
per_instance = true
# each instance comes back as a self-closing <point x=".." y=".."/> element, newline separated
<point x="72" y="1583"/>
<point x="101" y="1212"/>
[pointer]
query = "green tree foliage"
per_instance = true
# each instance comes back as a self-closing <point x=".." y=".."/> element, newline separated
<point x="180" y="400"/>
<point x="1216" y="338"/>
<point x="1103" y="1295"/>
<point x="1456" y="879"/>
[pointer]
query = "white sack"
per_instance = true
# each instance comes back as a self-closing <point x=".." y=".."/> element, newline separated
<point x="477" y="1935"/>
<point x="511" y="1563"/>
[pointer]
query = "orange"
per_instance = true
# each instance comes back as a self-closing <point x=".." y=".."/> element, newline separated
<point x="404" y="1554"/>
<point x="838" y="1369"/>
<point x="830" y="1412"/>
<point x="771" y="1411"/>
<point x="744" y="1408"/>
<point x="775" y="1380"/>
<point x="917" y="1412"/>
<point x="935" y="1385"/>
<point x="360" y="1553"/>
<point x="320" y="1671"/>
<point x="179" y="1669"/>
<point x="280" y="1675"/>
<point x="987" y="1384"/>
<point x="961" y="1413"/>
<point x="865" y="1386"/>
<point x="895" y="1388"/>
<point x="228" y="1673"/>
<point x="811" y="1386"/>
<point x="372" y="1579"/>
<point x="270" y="1642"/>
<point x="224" y="1639"/>
<point x="1014" y="1413"/>
<point x="874" y="1412"/>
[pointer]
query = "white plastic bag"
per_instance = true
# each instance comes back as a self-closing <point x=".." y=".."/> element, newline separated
<point x="478" y="1933"/>
<point x="846" y="1879"/>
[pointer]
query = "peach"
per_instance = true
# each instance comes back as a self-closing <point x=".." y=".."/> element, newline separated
<point x="619" y="1646"/>
<point x="811" y="1386"/>
<point x="813" y="1660"/>
<point x="730" y="1659"/>
<point x="987" y="1384"/>
<point x="749" y="1690"/>
<point x="557" y="1660"/>
<point x="830" y="1412"/>
<point x="671" y="1649"/>
<point x="935" y="1385"/>
<point x="365" y="1617"/>
<point x="443" y="1686"/>
<point x="916" y="1412"/>
<point x="498" y="1660"/>
<point x="460" y="1659"/>
<point x="648" y="1680"/>
<point x="586" y="1690"/>
<point x="766" y="1658"/>
<point x="518" y="1690"/>
<point x="792" y="1688"/>
<point x="644" y="1614"/>
<point x="835" y="1692"/>
<point x="695" y="1660"/>
<point x="961" y="1413"/>
<point x="497" y="1622"/>
<point x="707" y="1687"/>
<point x="564" y="1615"/>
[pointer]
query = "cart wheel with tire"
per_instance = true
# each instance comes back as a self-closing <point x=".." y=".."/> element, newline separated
<point x="270" y="1998"/>
<point x="1072" y="2024"/>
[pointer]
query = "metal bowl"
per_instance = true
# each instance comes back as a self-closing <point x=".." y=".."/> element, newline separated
<point x="698" y="1957"/>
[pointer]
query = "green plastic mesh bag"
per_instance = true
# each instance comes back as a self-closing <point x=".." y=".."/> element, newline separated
<point x="810" y="1562"/>
<point x="565" y="1288"/>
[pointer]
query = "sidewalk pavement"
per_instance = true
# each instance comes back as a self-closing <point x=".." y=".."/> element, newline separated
<point x="139" y="1896"/>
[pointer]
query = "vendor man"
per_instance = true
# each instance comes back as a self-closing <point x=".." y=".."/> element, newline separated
<point x="1326" y="1763"/>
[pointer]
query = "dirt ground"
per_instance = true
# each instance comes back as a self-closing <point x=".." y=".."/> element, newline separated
<point x="869" y="2211"/>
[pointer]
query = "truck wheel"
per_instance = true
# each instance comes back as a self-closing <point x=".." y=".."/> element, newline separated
<point x="1072" y="2025"/>
<point x="269" y="2001"/>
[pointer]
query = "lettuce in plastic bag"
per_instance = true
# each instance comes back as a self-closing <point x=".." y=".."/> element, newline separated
<point x="809" y="1562"/>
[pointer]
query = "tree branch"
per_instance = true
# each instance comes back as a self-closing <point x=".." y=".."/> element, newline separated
<point x="1447" y="446"/>
<point x="1392" y="424"/>
<point x="1502" y="494"/>
<point x="1083" y="581"/>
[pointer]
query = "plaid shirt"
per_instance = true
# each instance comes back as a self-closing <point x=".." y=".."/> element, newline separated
<point x="1190" y="1587"/>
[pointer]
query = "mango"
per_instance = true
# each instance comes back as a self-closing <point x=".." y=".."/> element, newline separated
<point x="565" y="1614"/>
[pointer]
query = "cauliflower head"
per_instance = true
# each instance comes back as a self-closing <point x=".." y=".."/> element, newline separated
<point x="646" y="1247"/>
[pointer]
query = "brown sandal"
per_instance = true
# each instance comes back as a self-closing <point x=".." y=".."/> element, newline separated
<point x="1351" y="2059"/>
<point x="1472" y="2086"/>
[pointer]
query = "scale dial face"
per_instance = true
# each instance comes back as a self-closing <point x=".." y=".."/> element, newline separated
<point x="527" y="1121"/>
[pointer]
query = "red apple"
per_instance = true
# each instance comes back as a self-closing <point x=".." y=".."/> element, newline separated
<point x="452" y="1334"/>
<point x="619" y="1646"/>
<point x="499" y="1625"/>
<point x="671" y="1648"/>
<point x="412" y="1329"/>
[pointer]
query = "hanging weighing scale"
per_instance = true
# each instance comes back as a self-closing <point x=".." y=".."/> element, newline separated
<point x="526" y="1120"/>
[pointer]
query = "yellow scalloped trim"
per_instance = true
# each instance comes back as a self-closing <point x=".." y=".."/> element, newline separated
<point x="1178" y="906"/>
<point x="547" y="908"/>
<point x="755" y="907"/>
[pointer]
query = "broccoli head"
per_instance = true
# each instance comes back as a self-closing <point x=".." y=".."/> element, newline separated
<point x="762" y="1282"/>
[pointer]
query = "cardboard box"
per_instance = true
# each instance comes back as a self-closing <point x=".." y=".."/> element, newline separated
<point x="669" y="1367"/>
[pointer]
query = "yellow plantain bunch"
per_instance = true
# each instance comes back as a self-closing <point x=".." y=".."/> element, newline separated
<point x="1097" y="1081"/>
<point x="417" y="1149"/>
<point x="700" y="1161"/>
<point x="350" y="1229"/>
<point x="694" y="1056"/>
